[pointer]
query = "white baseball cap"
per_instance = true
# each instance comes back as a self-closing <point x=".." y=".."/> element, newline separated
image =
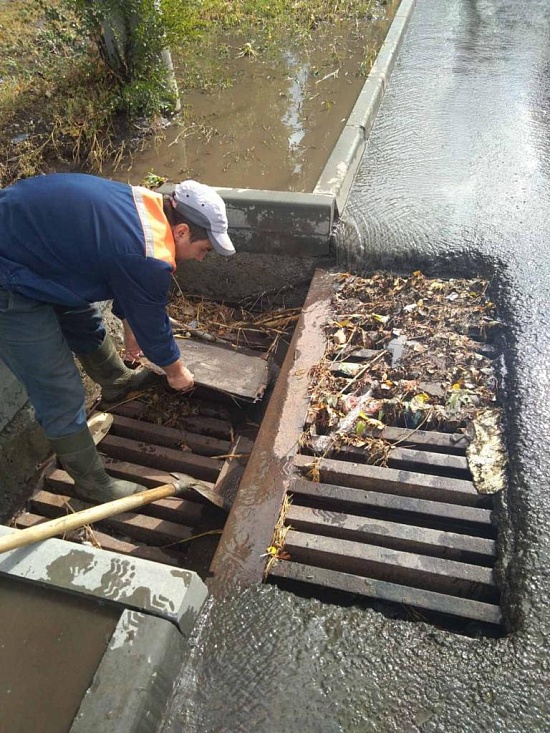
<point x="202" y="205"/>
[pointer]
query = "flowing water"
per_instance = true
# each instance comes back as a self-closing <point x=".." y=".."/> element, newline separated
<point x="455" y="177"/>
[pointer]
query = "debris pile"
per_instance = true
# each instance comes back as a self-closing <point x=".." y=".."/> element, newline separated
<point x="412" y="352"/>
<point x="200" y="319"/>
<point x="212" y="321"/>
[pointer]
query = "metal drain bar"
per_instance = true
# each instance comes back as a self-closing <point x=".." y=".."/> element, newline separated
<point x="414" y="532"/>
<point x="139" y="450"/>
<point x="419" y="539"/>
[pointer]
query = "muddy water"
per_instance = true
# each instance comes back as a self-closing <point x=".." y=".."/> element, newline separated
<point x="50" y="646"/>
<point x="272" y="118"/>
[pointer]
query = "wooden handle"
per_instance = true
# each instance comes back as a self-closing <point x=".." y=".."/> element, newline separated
<point x="87" y="516"/>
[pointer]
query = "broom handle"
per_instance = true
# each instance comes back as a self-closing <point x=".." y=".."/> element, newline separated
<point x="87" y="516"/>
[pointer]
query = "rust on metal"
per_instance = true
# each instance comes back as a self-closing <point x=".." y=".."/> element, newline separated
<point x="137" y="449"/>
<point x="405" y="483"/>
<point x="411" y="459"/>
<point x="432" y="573"/>
<point x="172" y="509"/>
<point x="205" y="424"/>
<point x="141" y="527"/>
<point x="449" y="443"/>
<point x="406" y="537"/>
<point x="410" y="508"/>
<point x="247" y="534"/>
<point x="393" y="592"/>
<point x="107" y="542"/>
<point x="204" y="445"/>
<point x="156" y="456"/>
<point x="225" y="368"/>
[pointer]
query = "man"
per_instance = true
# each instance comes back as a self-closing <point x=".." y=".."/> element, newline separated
<point x="67" y="242"/>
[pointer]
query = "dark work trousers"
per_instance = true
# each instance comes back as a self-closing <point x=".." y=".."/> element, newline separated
<point x="37" y="342"/>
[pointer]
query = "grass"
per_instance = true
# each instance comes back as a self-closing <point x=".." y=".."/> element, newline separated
<point x="61" y="107"/>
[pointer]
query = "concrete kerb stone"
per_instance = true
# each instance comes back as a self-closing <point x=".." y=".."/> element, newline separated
<point x="277" y="222"/>
<point x="339" y="172"/>
<point x="159" y="605"/>
<point x="338" y="175"/>
<point x="173" y="594"/>
<point x="364" y="111"/>
<point x="135" y="678"/>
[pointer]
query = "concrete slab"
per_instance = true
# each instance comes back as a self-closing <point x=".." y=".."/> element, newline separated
<point x="135" y="678"/>
<point x="277" y="222"/>
<point x="169" y="593"/>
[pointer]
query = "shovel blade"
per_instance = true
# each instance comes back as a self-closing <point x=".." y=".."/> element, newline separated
<point x="212" y="497"/>
<point x="187" y="482"/>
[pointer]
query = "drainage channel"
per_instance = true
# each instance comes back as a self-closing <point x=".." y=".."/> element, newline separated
<point x="414" y="532"/>
<point x="417" y="538"/>
<point x="138" y="449"/>
<point x="207" y="434"/>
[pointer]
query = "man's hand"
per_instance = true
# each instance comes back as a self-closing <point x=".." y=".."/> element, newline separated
<point x="132" y="349"/>
<point x="178" y="376"/>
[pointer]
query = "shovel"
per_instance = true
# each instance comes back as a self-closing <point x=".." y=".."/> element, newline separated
<point x="61" y="525"/>
<point x="209" y="494"/>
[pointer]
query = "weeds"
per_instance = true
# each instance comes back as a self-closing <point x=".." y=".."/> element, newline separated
<point x="63" y="107"/>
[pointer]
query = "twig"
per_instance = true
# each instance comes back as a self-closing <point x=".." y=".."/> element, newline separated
<point x="361" y="372"/>
<point x="194" y="537"/>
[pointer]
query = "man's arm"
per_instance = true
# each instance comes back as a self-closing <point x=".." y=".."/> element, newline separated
<point x="178" y="375"/>
<point x="140" y="292"/>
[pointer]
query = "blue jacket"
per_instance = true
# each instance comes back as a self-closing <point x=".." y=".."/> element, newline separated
<point x="73" y="239"/>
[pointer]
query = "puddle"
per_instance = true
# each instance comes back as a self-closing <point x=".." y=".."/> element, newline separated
<point x="271" y="121"/>
<point x="51" y="644"/>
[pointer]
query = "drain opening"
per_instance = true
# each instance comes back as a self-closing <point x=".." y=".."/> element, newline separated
<point x="208" y="434"/>
<point x="383" y="500"/>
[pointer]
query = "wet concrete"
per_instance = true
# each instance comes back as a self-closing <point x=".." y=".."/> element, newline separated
<point x="455" y="180"/>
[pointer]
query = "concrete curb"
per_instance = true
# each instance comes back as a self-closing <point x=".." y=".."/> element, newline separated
<point x="128" y="582"/>
<point x="135" y="679"/>
<point x="339" y="172"/>
<point x="277" y="222"/>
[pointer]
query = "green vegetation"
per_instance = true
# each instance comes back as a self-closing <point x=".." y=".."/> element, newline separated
<point x="71" y="95"/>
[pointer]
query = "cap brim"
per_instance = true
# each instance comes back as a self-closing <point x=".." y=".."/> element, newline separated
<point x="221" y="243"/>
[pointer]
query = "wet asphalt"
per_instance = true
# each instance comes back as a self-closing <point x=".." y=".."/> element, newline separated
<point x="454" y="181"/>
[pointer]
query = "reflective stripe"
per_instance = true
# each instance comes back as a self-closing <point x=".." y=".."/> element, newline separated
<point x="159" y="242"/>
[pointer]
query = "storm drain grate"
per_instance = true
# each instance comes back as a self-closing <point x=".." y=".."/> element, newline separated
<point x="416" y="533"/>
<point x="137" y="449"/>
<point x="411" y="530"/>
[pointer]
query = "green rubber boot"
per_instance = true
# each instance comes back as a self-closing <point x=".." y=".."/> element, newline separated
<point x="79" y="457"/>
<point x="107" y="369"/>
